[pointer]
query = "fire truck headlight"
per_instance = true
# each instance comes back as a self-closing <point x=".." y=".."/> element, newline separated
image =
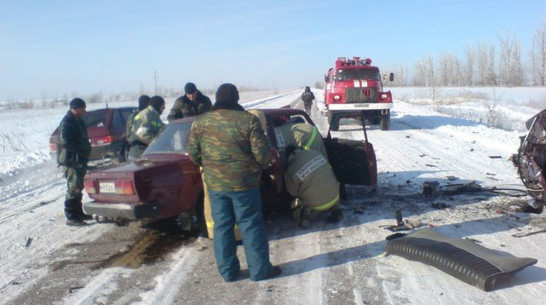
<point x="337" y="97"/>
<point x="384" y="96"/>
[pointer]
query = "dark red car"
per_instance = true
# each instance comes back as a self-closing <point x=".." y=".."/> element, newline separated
<point x="106" y="130"/>
<point x="164" y="183"/>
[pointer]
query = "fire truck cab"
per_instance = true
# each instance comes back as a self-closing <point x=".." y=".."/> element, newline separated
<point x="354" y="85"/>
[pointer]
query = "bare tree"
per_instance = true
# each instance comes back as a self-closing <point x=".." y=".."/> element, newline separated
<point x="485" y="65"/>
<point x="449" y="70"/>
<point x="510" y="69"/>
<point x="538" y="56"/>
<point x="419" y="73"/>
<point x="468" y="70"/>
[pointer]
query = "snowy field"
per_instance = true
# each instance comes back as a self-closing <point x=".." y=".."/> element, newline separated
<point x="435" y="134"/>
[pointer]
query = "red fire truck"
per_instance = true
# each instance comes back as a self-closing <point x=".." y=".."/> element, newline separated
<point x="354" y="85"/>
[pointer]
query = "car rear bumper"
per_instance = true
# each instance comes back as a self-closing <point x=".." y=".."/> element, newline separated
<point x="122" y="210"/>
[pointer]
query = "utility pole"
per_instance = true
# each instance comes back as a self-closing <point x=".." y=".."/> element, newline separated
<point x="155" y="81"/>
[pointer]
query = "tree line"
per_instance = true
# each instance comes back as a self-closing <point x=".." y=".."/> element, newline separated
<point x="483" y="64"/>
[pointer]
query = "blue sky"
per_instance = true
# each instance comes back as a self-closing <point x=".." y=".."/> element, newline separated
<point x="54" y="48"/>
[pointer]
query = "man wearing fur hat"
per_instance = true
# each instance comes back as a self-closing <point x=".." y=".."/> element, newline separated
<point x="73" y="149"/>
<point x="231" y="147"/>
<point x="193" y="102"/>
<point x="146" y="127"/>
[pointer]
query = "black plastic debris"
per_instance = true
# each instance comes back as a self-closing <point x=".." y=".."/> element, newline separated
<point x="460" y="258"/>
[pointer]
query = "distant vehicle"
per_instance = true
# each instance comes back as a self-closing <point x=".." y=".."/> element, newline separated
<point x="531" y="160"/>
<point x="163" y="183"/>
<point x="106" y="131"/>
<point x="354" y="85"/>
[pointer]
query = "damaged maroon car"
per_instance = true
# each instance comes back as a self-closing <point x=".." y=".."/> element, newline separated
<point x="163" y="183"/>
<point x="531" y="161"/>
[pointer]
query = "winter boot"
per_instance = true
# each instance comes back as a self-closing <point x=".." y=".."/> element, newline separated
<point x="335" y="216"/>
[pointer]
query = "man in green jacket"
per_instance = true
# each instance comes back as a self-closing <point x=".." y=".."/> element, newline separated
<point x="146" y="127"/>
<point x="310" y="179"/>
<point x="193" y="102"/>
<point x="231" y="147"/>
<point x="73" y="150"/>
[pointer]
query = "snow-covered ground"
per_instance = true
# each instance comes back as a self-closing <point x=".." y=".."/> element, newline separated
<point x="435" y="134"/>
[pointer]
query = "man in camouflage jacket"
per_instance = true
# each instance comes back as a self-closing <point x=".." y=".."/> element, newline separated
<point x="231" y="147"/>
<point x="193" y="102"/>
<point x="146" y="127"/>
<point x="73" y="150"/>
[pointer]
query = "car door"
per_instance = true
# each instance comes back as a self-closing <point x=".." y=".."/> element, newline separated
<point x="353" y="161"/>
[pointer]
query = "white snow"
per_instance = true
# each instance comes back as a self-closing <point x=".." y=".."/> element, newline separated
<point x="454" y="135"/>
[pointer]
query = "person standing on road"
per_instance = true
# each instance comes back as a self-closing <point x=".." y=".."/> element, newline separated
<point x="307" y="97"/>
<point x="73" y="150"/>
<point x="143" y="102"/>
<point x="231" y="147"/>
<point x="147" y="125"/>
<point x="193" y="102"/>
<point x="310" y="179"/>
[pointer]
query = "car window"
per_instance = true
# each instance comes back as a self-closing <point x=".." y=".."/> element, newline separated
<point x="125" y="112"/>
<point x="95" y="118"/>
<point x="117" y="120"/>
<point x="173" y="139"/>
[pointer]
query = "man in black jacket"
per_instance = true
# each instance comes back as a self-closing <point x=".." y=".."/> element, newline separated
<point x="190" y="104"/>
<point x="73" y="149"/>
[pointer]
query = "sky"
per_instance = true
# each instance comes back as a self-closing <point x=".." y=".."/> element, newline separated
<point x="50" y="49"/>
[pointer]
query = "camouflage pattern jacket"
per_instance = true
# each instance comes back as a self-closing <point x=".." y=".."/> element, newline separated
<point x="184" y="107"/>
<point x="129" y="126"/>
<point x="301" y="135"/>
<point x="73" y="147"/>
<point x="231" y="147"/>
<point x="310" y="178"/>
<point x="147" y="125"/>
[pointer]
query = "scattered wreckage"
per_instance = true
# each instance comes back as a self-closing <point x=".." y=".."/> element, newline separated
<point x="530" y="160"/>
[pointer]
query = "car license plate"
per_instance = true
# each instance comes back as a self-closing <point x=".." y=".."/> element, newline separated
<point x="107" y="187"/>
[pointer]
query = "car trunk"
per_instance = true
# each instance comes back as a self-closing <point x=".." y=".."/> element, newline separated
<point x="161" y="179"/>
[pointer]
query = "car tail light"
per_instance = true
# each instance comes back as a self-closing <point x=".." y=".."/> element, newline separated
<point x="125" y="187"/>
<point x="52" y="146"/>
<point x="102" y="140"/>
<point x="90" y="187"/>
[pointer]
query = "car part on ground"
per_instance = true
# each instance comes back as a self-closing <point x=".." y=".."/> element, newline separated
<point x="463" y="259"/>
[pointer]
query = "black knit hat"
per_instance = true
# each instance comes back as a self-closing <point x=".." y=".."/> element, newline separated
<point x="77" y="103"/>
<point x="156" y="101"/>
<point x="143" y="102"/>
<point x="190" y="88"/>
<point x="227" y="94"/>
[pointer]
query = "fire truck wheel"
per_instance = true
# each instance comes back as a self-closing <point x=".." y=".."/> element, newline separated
<point x="385" y="122"/>
<point x="334" y="126"/>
